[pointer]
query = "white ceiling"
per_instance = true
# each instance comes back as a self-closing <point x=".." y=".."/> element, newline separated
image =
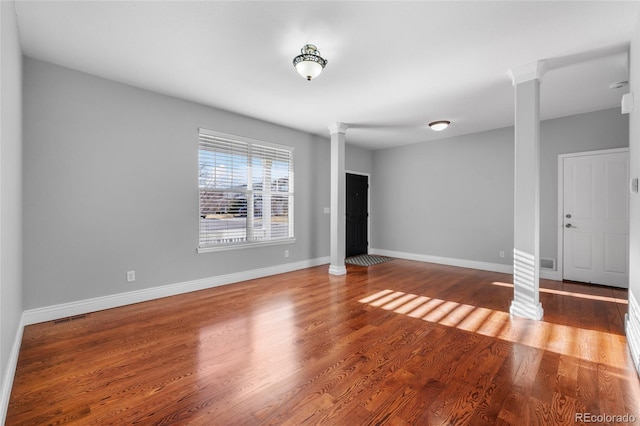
<point x="393" y="66"/>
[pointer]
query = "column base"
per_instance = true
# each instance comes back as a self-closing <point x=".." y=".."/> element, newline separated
<point x="632" y="327"/>
<point x="337" y="270"/>
<point x="519" y="309"/>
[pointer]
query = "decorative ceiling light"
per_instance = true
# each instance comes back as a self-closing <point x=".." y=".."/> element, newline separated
<point x="439" y="125"/>
<point x="309" y="64"/>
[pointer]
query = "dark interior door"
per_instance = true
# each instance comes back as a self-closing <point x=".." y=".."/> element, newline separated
<point x="357" y="214"/>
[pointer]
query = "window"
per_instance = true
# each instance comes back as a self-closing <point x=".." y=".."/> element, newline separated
<point x="246" y="191"/>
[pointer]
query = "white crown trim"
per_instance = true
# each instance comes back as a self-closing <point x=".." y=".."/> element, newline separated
<point x="338" y="127"/>
<point x="533" y="71"/>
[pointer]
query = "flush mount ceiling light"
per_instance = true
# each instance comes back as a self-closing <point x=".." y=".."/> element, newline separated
<point x="309" y="64"/>
<point x="439" y="125"/>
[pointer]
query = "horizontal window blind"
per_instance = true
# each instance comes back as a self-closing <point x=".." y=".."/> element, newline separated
<point x="246" y="191"/>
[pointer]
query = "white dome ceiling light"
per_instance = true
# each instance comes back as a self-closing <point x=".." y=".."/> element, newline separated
<point x="309" y="64"/>
<point x="439" y="125"/>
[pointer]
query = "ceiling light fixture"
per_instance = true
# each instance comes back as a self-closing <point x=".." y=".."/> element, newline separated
<point x="439" y="125"/>
<point x="309" y="64"/>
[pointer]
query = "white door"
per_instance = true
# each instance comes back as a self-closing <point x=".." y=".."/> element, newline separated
<point x="596" y="219"/>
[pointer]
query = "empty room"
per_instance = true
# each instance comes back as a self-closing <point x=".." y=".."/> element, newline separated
<point x="319" y="212"/>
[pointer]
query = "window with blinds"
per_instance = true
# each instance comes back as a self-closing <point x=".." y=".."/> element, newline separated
<point x="246" y="191"/>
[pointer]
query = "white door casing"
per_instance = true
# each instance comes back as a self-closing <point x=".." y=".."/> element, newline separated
<point x="595" y="217"/>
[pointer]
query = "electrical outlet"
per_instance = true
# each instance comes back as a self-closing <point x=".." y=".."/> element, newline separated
<point x="131" y="276"/>
<point x="501" y="253"/>
<point x="286" y="253"/>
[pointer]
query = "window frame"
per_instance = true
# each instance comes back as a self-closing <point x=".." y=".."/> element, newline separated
<point x="249" y="192"/>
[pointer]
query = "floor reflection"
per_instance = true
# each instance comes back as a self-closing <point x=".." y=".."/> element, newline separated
<point x="250" y="344"/>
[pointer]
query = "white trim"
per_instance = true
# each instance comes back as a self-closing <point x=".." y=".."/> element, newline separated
<point x="533" y="71"/>
<point x="560" y="218"/>
<point x="245" y="245"/>
<point x="632" y="328"/>
<point x="368" y="175"/>
<point x="337" y="270"/>
<point x="338" y="127"/>
<point x="546" y="274"/>
<point x="598" y="152"/>
<point x="49" y="313"/>
<point x="462" y="263"/>
<point x="10" y="371"/>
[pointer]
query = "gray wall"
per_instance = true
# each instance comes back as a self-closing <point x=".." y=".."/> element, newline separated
<point x="358" y="159"/>
<point x="454" y="197"/>
<point x="451" y="198"/>
<point x="111" y="185"/>
<point x="10" y="188"/>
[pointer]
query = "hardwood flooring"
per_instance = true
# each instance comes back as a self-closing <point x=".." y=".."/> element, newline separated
<point x="400" y="343"/>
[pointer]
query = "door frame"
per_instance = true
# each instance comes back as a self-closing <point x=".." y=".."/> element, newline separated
<point x="560" y="216"/>
<point x="368" y="175"/>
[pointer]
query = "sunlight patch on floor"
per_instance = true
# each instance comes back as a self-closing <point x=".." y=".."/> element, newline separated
<point x="571" y="294"/>
<point x="571" y="341"/>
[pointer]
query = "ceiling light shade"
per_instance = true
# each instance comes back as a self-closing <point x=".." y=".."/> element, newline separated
<point x="309" y="64"/>
<point x="439" y="125"/>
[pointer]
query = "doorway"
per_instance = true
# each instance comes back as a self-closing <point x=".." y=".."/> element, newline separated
<point x="357" y="214"/>
<point x="594" y="207"/>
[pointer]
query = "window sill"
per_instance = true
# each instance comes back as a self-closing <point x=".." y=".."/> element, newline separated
<point x="240" y="246"/>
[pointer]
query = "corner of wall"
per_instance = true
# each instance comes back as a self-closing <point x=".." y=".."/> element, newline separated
<point x="632" y="323"/>
<point x="11" y="197"/>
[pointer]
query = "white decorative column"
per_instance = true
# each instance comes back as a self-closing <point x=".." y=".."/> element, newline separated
<point x="526" y="245"/>
<point x="338" y="199"/>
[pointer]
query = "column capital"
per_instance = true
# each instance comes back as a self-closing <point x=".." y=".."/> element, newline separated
<point x="524" y="73"/>
<point x="338" y="127"/>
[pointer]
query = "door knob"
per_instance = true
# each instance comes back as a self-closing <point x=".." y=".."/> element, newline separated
<point x="568" y="225"/>
<point x="568" y="216"/>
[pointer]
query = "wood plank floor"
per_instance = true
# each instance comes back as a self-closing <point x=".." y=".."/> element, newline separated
<point x="400" y="343"/>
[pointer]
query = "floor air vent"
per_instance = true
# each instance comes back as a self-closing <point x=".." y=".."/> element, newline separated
<point x="548" y="264"/>
<point x="68" y="319"/>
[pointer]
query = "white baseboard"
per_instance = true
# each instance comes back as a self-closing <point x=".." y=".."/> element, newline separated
<point x="547" y="274"/>
<point x="462" y="263"/>
<point x="49" y="313"/>
<point x="10" y="372"/>
<point x="632" y="326"/>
